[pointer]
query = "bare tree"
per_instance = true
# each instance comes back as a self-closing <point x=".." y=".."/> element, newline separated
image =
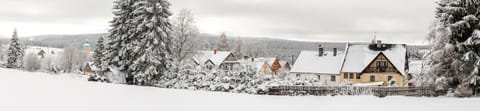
<point x="222" y="43"/>
<point x="184" y="31"/>
<point x="73" y="59"/>
<point x="238" y="48"/>
<point x="32" y="62"/>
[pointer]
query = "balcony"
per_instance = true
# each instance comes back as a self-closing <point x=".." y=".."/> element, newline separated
<point x="380" y="70"/>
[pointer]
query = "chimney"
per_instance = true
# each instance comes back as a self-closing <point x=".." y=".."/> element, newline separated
<point x="320" y="50"/>
<point x="379" y="43"/>
<point x="215" y="51"/>
<point x="334" y="51"/>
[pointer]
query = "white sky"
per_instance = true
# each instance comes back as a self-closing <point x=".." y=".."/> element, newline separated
<point x="398" y="21"/>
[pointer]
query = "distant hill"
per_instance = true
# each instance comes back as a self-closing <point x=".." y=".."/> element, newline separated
<point x="267" y="47"/>
<point x="60" y="41"/>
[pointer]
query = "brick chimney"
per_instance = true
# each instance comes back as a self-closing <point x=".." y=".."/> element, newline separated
<point x="320" y="50"/>
<point x="215" y="51"/>
<point x="334" y="51"/>
<point x="379" y="43"/>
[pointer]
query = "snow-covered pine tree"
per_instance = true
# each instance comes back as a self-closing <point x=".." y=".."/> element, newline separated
<point x="140" y="43"/>
<point x="152" y="52"/>
<point x="454" y="56"/>
<point x="97" y="58"/>
<point x="222" y="43"/>
<point x="21" y="58"/>
<point x="120" y="35"/>
<point x="14" y="52"/>
<point x="1" y="52"/>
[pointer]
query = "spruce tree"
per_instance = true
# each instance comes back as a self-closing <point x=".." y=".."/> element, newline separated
<point x="152" y="52"/>
<point x="454" y="58"/>
<point x="222" y="43"/>
<point x="118" y="48"/>
<point x="97" y="58"/>
<point x="140" y="41"/>
<point x="14" y="52"/>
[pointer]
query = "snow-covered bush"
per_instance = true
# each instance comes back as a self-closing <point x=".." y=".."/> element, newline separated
<point x="238" y="81"/>
<point x="32" y="62"/>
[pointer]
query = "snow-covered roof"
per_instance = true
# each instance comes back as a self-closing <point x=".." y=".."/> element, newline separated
<point x="359" y="56"/>
<point x="310" y="62"/>
<point x="217" y="58"/>
<point x="283" y="63"/>
<point x="259" y="62"/>
<point x="57" y="52"/>
<point x="92" y="66"/>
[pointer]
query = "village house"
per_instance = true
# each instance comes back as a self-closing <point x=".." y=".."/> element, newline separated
<point x="264" y="68"/>
<point x="321" y="65"/>
<point x="286" y="67"/>
<point x="375" y="64"/>
<point x="90" y="69"/>
<point x="213" y="60"/>
<point x="273" y="67"/>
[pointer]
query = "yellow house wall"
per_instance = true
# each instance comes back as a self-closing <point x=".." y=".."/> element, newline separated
<point x="379" y="76"/>
<point x="365" y="78"/>
<point x="265" y="71"/>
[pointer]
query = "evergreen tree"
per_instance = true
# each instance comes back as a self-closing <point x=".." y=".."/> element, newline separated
<point x="100" y="48"/>
<point x="140" y="43"/>
<point x="454" y="58"/>
<point x="1" y="52"/>
<point x="15" y="55"/>
<point x="118" y="48"/>
<point x="222" y="43"/>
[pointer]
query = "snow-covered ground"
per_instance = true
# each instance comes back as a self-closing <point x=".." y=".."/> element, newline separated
<point x="26" y="91"/>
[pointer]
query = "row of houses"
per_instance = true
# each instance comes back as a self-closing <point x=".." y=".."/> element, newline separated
<point x="227" y="61"/>
<point x="374" y="64"/>
<point x="361" y="64"/>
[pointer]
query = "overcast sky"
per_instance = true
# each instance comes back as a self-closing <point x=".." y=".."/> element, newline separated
<point x="398" y="21"/>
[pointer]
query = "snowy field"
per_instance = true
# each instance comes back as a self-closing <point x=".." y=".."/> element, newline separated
<point x="26" y="91"/>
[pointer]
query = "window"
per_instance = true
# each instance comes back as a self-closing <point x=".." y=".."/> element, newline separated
<point x="333" y="78"/>
<point x="390" y="78"/>
<point x="351" y="75"/>
<point x="382" y="66"/>
<point x="372" y="78"/>
<point x="298" y="75"/>
<point x="318" y="77"/>
<point x="358" y="76"/>
<point x="209" y="67"/>
<point x="345" y="75"/>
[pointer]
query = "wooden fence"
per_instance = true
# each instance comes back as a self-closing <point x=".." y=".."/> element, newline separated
<point x="351" y="90"/>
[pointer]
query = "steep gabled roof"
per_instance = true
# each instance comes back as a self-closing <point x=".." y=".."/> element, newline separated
<point x="311" y="62"/>
<point x="203" y="56"/>
<point x="283" y="62"/>
<point x="359" y="56"/>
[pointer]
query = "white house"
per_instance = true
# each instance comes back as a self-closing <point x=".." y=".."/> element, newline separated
<point x="322" y="65"/>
